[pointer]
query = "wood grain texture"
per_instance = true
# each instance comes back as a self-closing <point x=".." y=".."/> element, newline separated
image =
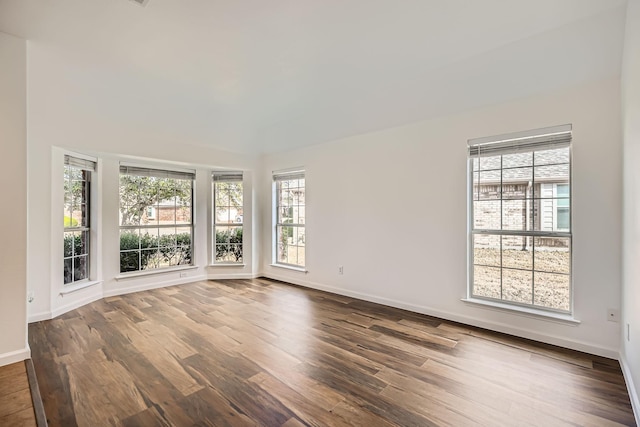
<point x="262" y="352"/>
<point x="16" y="407"/>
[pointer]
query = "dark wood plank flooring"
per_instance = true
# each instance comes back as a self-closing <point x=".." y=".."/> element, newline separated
<point x="16" y="407"/>
<point x="260" y="352"/>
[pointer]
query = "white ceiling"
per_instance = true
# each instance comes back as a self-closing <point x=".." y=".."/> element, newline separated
<point x="264" y="76"/>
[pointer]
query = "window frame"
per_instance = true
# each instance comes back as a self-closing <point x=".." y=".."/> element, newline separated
<point x="88" y="168"/>
<point x="522" y="142"/>
<point x="166" y="173"/>
<point x="278" y="178"/>
<point x="220" y="177"/>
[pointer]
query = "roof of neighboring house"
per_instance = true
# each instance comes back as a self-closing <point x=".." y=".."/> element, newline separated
<point x="551" y="165"/>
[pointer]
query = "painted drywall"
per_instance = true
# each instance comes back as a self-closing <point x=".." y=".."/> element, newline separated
<point x="630" y="349"/>
<point x="13" y="215"/>
<point x="391" y="208"/>
<point x="63" y="120"/>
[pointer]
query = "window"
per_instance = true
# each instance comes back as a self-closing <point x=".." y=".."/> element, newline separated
<point x="156" y="218"/>
<point x="520" y="225"/>
<point x="289" y="189"/>
<point x="77" y="224"/>
<point x="228" y="217"/>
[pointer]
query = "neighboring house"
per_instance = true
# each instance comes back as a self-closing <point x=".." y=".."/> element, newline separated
<point x="537" y="200"/>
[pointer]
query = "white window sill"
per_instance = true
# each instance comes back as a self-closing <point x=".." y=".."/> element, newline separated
<point x="290" y="267"/>
<point x="69" y="289"/>
<point x="526" y="311"/>
<point x="238" y="265"/>
<point x="135" y="274"/>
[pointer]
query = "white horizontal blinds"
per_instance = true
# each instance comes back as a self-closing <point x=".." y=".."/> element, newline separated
<point x="227" y="176"/>
<point x="534" y="140"/>
<point x="79" y="163"/>
<point x="156" y="173"/>
<point x="284" y="176"/>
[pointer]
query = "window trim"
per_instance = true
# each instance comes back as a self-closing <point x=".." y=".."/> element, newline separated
<point x="520" y="142"/>
<point x="222" y="177"/>
<point x="278" y="176"/>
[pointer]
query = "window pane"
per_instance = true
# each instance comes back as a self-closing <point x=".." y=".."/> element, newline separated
<point x="149" y="238"/>
<point x="517" y="176"/>
<point x="129" y="261"/>
<point x="517" y="286"/>
<point x="486" y="250"/>
<point x="149" y="259"/>
<point x="183" y="215"/>
<point x="68" y="244"/>
<point x="514" y="214"/>
<point x="486" y="282"/>
<point x="552" y="290"/>
<point x="486" y="215"/>
<point x="552" y="174"/>
<point x="129" y="239"/>
<point x="68" y="270"/>
<point x="552" y="254"/>
<point x="546" y="157"/>
<point x="517" y="252"/>
<point x="493" y="162"/>
<point x="517" y="160"/>
<point x="563" y="218"/>
<point x="80" y="270"/>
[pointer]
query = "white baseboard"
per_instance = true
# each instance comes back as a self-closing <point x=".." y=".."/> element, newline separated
<point x="154" y="285"/>
<point x="631" y="387"/>
<point x="38" y="317"/>
<point x="15" y="356"/>
<point x="75" y="304"/>
<point x="467" y="320"/>
<point x="211" y="276"/>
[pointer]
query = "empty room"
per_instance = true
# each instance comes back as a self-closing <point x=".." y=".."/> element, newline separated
<point x="320" y="213"/>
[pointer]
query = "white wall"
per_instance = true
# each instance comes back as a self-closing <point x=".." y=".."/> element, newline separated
<point x="64" y="117"/>
<point x="13" y="214"/>
<point x="630" y="352"/>
<point x="417" y="260"/>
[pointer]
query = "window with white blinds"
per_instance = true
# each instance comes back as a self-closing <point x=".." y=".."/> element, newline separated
<point x="520" y="218"/>
<point x="156" y="218"/>
<point x="289" y="208"/>
<point x="77" y="218"/>
<point x="228" y="218"/>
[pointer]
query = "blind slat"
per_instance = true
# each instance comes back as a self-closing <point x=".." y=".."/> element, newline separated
<point x="515" y="143"/>
<point x="284" y="176"/>
<point x="227" y="176"/>
<point x="80" y="163"/>
<point x="156" y="173"/>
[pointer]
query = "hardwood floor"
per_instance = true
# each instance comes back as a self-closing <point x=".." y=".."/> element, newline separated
<point x="260" y="352"/>
<point x="16" y="407"/>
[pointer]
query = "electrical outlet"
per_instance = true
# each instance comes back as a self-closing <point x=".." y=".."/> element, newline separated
<point x="30" y="297"/>
<point x="613" y="315"/>
<point x="183" y="274"/>
<point x="340" y="270"/>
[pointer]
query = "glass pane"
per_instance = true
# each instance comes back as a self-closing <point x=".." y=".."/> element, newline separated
<point x="80" y="270"/>
<point x="562" y="190"/>
<point x="552" y="254"/>
<point x="486" y="282"/>
<point x="517" y="160"/>
<point x="149" y="238"/>
<point x="301" y="256"/>
<point x="517" y="191"/>
<point x="552" y="174"/>
<point x="68" y="244"/>
<point x="282" y="252"/>
<point x="517" y="176"/>
<point x="486" y="250"/>
<point x="563" y="221"/>
<point x="149" y="259"/>
<point x="514" y="214"/>
<point x="129" y="261"/>
<point x="517" y="252"/>
<point x="493" y="162"/>
<point x="183" y="215"/>
<point x="183" y="236"/>
<point x="82" y="243"/>
<point x="517" y="286"/>
<point x="68" y="270"/>
<point x="129" y="239"/>
<point x="547" y="157"/>
<point x="167" y="237"/>
<point x="486" y="215"/>
<point x="235" y="253"/>
<point x="552" y="290"/>
<point x="223" y="215"/>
